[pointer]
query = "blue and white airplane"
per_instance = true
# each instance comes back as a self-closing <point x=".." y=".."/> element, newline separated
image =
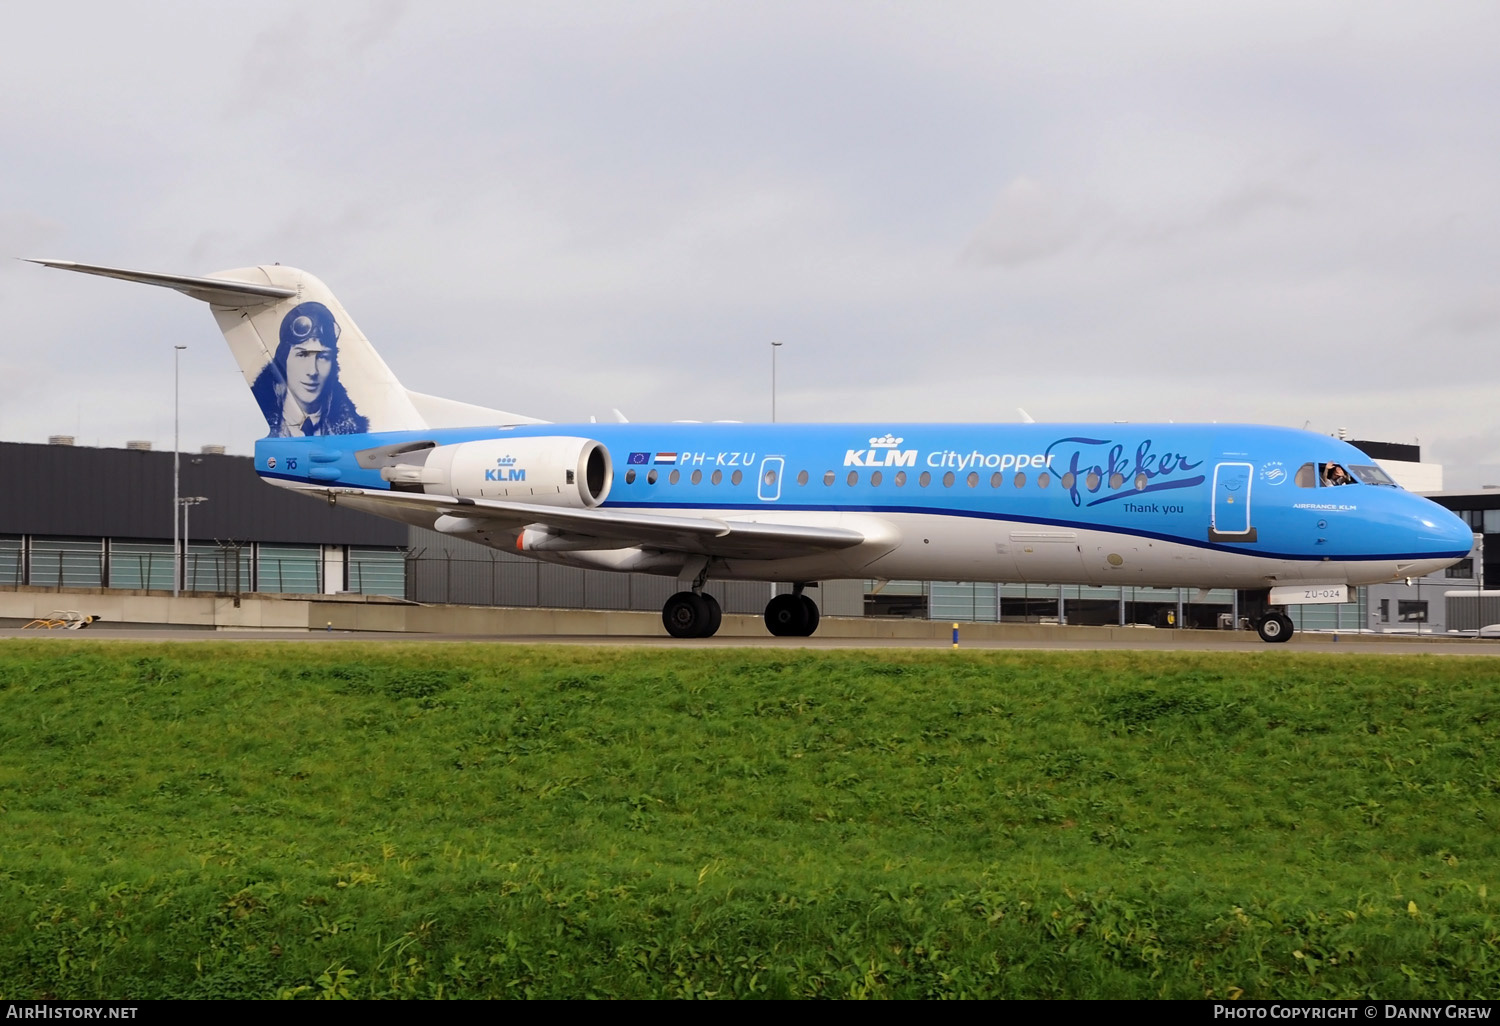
<point x="1289" y="516"/>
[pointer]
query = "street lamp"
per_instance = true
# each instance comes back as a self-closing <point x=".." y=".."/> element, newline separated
<point x="176" y="448"/>
<point x="187" y="502"/>
<point x="774" y="346"/>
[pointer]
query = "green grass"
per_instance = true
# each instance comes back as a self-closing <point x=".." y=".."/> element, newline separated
<point x="486" y="820"/>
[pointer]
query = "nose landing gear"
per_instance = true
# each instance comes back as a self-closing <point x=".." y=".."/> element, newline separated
<point x="1273" y="626"/>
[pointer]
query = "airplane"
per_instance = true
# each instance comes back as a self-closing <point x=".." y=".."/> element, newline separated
<point x="1287" y="516"/>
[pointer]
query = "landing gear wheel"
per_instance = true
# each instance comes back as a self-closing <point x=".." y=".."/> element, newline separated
<point x="715" y="616"/>
<point x="689" y="615"/>
<point x="1274" y="627"/>
<point x="810" y="612"/>
<point x="791" y="616"/>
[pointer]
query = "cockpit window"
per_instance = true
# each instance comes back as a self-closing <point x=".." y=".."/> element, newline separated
<point x="1334" y="475"/>
<point x="1307" y="476"/>
<point x="1372" y="475"/>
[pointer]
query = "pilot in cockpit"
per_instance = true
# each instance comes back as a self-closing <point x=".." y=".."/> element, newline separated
<point x="1333" y="474"/>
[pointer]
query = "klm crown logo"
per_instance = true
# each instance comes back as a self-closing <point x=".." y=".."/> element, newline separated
<point x="886" y="442"/>
<point x="505" y="469"/>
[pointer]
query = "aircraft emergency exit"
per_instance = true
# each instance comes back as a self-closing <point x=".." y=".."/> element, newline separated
<point x="1290" y="516"/>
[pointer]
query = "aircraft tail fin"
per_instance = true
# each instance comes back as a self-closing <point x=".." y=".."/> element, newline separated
<point x="311" y="369"/>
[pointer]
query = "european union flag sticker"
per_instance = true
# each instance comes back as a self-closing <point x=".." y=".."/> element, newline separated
<point x="639" y="458"/>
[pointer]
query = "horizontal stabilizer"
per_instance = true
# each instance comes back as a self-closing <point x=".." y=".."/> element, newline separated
<point x="219" y="291"/>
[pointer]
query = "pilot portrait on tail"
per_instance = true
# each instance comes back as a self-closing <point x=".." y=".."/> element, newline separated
<point x="299" y="390"/>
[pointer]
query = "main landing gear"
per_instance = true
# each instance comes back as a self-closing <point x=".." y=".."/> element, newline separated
<point x="694" y="614"/>
<point x="792" y="616"/>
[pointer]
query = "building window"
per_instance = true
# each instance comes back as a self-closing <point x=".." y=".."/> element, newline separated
<point x="1411" y="612"/>
<point x="289" y="569"/>
<point x="1385" y="610"/>
<point x="11" y="565"/>
<point x="378" y="572"/>
<point x="140" y="565"/>
<point x="67" y="562"/>
<point x="210" y="567"/>
<point x="1463" y="569"/>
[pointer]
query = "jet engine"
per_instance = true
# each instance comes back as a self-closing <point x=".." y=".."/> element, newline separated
<point x="551" y="470"/>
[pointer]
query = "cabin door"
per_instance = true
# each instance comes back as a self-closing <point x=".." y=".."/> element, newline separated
<point x="770" y="478"/>
<point x="1230" y="517"/>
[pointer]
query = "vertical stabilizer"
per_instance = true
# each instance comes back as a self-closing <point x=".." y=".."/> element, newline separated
<point x="311" y="369"/>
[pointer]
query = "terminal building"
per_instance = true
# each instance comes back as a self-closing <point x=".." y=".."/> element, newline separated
<point x="91" y="518"/>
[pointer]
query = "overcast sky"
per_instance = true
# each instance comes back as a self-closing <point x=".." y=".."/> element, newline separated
<point x="1281" y="213"/>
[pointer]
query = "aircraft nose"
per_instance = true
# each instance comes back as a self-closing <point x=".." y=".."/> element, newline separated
<point x="1444" y="532"/>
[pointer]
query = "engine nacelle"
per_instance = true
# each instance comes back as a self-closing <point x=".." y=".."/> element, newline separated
<point x="552" y="470"/>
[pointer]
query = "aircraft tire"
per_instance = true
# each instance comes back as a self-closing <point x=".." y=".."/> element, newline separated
<point x="786" y="616"/>
<point x="715" y="616"/>
<point x="685" y="615"/>
<point x="1274" y="628"/>
<point x="811" y="616"/>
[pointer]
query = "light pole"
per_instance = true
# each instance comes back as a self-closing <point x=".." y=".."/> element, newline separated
<point x="176" y="449"/>
<point x="774" y="346"/>
<point x="187" y="502"/>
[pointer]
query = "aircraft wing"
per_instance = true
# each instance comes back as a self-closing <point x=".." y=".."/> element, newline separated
<point x="728" y="538"/>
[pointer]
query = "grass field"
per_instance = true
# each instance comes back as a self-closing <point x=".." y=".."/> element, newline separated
<point x="420" y="821"/>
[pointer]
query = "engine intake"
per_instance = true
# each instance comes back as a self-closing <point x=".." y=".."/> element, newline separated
<point x="553" y="470"/>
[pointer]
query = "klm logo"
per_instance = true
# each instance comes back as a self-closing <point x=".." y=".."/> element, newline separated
<point x="883" y="452"/>
<point x="505" y="469"/>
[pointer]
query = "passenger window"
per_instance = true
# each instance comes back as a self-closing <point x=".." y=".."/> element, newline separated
<point x="1116" y="481"/>
<point x="1019" y="480"/>
<point x="1141" y="481"/>
<point x="900" y="478"/>
<point x="973" y="479"/>
<point x="697" y="477"/>
<point x="630" y="477"/>
<point x="717" y="477"/>
<point x="1307" y="476"/>
<point x="997" y="479"/>
<point x="1091" y="481"/>
<point x="651" y="477"/>
<point x="925" y="479"/>
<point x="802" y="477"/>
<point x="770" y="477"/>
<point x="875" y="479"/>
<point x="828" y="478"/>
<point x="852" y="479"/>
<point x="1069" y="480"/>
<point x="674" y="477"/>
<point x="1043" y="479"/>
<point x="736" y="478"/>
<point x="948" y="479"/>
